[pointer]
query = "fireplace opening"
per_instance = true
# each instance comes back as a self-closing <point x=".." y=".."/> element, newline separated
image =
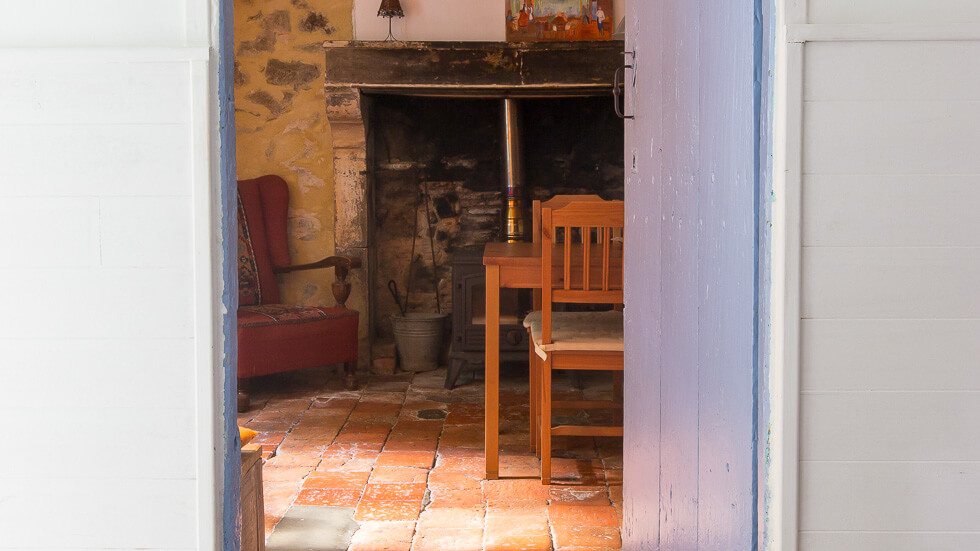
<point x="436" y="177"/>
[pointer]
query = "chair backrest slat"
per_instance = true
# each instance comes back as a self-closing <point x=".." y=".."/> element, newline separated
<point x="568" y="258"/>
<point x="586" y="256"/>
<point x="547" y="291"/>
<point x="606" y="231"/>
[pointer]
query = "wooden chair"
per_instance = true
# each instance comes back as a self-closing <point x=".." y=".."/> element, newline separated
<point x="534" y="367"/>
<point x="582" y="263"/>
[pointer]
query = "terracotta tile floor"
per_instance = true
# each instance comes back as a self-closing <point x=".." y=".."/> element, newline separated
<point x="407" y="456"/>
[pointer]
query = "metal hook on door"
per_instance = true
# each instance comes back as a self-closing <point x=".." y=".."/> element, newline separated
<point x="617" y="86"/>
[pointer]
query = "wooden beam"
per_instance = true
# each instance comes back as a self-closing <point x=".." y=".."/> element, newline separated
<point x="474" y="68"/>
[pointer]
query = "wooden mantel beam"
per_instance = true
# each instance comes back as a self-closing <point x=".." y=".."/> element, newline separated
<point x="492" y="69"/>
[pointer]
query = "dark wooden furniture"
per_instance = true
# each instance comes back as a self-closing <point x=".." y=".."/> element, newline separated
<point x="484" y="69"/>
<point x="469" y="317"/>
<point x="253" y="505"/>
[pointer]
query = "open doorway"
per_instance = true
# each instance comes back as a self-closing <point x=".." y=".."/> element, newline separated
<point x="389" y="440"/>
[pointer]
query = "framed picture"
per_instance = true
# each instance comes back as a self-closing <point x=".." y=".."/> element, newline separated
<point x="559" y="20"/>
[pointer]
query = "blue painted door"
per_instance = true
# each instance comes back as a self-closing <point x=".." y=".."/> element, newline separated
<point x="692" y="159"/>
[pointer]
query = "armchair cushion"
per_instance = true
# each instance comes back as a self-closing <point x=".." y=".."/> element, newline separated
<point x="578" y="331"/>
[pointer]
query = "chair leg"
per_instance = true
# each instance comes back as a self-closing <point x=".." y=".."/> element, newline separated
<point x="244" y="400"/>
<point x="538" y="417"/>
<point x="533" y="378"/>
<point x="350" y="379"/>
<point x="545" y="407"/>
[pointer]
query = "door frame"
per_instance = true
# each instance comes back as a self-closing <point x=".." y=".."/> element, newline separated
<point x="215" y="235"/>
<point x="784" y="382"/>
<point x="215" y="210"/>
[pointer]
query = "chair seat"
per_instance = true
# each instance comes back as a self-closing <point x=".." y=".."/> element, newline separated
<point x="280" y="314"/>
<point x="597" y="331"/>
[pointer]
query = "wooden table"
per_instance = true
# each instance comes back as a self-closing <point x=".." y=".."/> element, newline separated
<point x="515" y="266"/>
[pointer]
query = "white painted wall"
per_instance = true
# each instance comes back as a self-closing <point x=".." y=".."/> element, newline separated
<point x="106" y="342"/>
<point x="884" y="250"/>
<point x="463" y="20"/>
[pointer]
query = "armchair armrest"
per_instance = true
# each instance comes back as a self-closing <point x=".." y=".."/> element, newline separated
<point x="341" y="267"/>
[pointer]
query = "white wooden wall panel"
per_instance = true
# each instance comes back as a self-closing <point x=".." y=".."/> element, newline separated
<point x="891" y="282"/>
<point x="891" y="71"/>
<point x="49" y="92"/>
<point x="104" y="207"/>
<point x="889" y="496"/>
<point x="890" y="354"/>
<point x="114" y="303"/>
<point x="891" y="137"/>
<point x="890" y="426"/>
<point x="895" y="210"/>
<point x="106" y="442"/>
<point x="146" y="231"/>
<point x="891" y="541"/>
<point x="144" y="367"/>
<point x="92" y="22"/>
<point x="889" y="315"/>
<point x="76" y="512"/>
<point x="64" y="232"/>
<point x="95" y="160"/>
<point x="893" y="11"/>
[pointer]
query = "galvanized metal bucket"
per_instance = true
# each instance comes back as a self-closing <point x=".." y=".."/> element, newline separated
<point x="418" y="338"/>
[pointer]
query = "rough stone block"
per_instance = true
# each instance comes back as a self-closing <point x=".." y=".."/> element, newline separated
<point x="290" y="73"/>
<point x="313" y="528"/>
<point x="383" y="366"/>
<point x="350" y="196"/>
<point x="343" y="104"/>
<point x="348" y="135"/>
<point x="383" y="350"/>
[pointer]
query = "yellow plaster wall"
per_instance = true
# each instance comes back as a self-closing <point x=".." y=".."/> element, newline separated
<point x="281" y="126"/>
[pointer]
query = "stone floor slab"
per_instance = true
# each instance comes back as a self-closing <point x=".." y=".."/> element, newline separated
<point x="311" y="528"/>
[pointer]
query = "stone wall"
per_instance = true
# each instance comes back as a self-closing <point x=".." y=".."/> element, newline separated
<point x="281" y="122"/>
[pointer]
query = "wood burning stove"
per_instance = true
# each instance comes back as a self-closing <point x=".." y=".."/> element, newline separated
<point x="469" y="316"/>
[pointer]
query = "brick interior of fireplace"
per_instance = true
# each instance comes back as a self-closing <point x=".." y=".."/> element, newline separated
<point x="452" y="147"/>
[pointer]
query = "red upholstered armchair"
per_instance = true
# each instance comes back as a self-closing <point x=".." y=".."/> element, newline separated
<point x="274" y="337"/>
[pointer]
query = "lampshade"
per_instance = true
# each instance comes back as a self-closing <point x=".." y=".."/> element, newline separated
<point x="390" y="8"/>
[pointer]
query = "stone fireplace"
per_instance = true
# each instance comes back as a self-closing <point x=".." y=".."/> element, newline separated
<point x="414" y="120"/>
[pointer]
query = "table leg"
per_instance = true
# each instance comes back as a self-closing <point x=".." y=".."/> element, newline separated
<point x="492" y="363"/>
